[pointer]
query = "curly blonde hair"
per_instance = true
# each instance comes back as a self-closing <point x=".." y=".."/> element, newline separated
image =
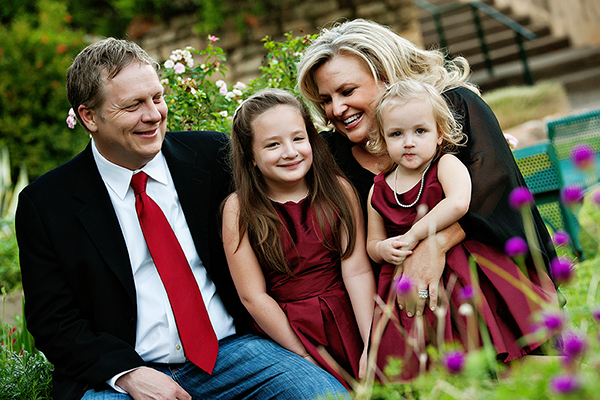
<point x="388" y="56"/>
<point x="448" y="127"/>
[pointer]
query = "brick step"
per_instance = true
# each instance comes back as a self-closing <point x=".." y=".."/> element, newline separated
<point x="543" y="45"/>
<point x="495" y="41"/>
<point x="424" y="15"/>
<point x="465" y="30"/>
<point x="576" y="67"/>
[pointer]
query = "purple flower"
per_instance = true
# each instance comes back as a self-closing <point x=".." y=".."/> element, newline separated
<point x="520" y="197"/>
<point x="582" y="155"/>
<point x="573" y="345"/>
<point x="561" y="238"/>
<point x="596" y="314"/>
<point x="179" y="68"/>
<point x="563" y="384"/>
<point x="596" y="197"/>
<point x="553" y="320"/>
<point x="516" y="246"/>
<point x="466" y="293"/>
<point x="403" y="285"/>
<point x="572" y="195"/>
<point x="454" y="361"/>
<point x="561" y="269"/>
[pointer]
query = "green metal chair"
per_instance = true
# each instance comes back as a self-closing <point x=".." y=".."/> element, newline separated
<point x="547" y="168"/>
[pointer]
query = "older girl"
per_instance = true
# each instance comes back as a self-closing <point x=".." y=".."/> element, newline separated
<point x="294" y="236"/>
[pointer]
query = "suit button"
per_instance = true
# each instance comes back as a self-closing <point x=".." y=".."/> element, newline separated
<point x="131" y="320"/>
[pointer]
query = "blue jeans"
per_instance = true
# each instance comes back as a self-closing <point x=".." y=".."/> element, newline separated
<point x="248" y="367"/>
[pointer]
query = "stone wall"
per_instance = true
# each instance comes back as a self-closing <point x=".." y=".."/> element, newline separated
<point x="577" y="19"/>
<point x="245" y="53"/>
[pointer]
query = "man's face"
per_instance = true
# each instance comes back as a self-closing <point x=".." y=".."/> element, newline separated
<point x="130" y="125"/>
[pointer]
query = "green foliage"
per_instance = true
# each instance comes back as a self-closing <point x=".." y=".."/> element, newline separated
<point x="8" y="192"/>
<point x="198" y="101"/>
<point x="24" y="372"/>
<point x="10" y="273"/>
<point x="195" y="100"/>
<point x="589" y="235"/>
<point x="281" y="60"/>
<point x="24" y="375"/>
<point x="35" y="52"/>
<point x="515" y="105"/>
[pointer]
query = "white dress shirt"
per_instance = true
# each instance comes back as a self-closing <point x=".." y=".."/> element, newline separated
<point x="157" y="339"/>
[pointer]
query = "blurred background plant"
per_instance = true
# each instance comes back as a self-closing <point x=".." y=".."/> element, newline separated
<point x="10" y="274"/>
<point x="36" y="48"/>
<point x="197" y="94"/>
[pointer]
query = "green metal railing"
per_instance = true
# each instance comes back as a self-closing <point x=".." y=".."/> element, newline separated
<point x="476" y="7"/>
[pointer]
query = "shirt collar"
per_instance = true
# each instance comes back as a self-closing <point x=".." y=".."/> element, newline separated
<point x="119" y="178"/>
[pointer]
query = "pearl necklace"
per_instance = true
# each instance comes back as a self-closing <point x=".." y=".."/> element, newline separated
<point x="420" y="189"/>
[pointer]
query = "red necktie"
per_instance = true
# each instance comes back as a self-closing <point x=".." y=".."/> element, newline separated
<point x="199" y="341"/>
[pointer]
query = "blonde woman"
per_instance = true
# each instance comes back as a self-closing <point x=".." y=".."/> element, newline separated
<point x="342" y="73"/>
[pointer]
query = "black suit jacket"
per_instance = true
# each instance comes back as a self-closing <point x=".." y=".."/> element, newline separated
<point x="79" y="290"/>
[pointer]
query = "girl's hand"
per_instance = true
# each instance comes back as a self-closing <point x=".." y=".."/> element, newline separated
<point x="393" y="250"/>
<point x="308" y="357"/>
<point x="362" y="364"/>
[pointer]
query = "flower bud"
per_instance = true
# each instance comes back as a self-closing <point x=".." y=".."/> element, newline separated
<point x="520" y="197"/>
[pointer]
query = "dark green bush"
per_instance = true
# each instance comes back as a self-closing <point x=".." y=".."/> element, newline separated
<point x="10" y="273"/>
<point x="35" y="53"/>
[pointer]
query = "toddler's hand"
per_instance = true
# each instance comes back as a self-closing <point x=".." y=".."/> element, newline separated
<point x="393" y="250"/>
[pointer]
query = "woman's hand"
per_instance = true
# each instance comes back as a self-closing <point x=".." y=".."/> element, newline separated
<point x="425" y="267"/>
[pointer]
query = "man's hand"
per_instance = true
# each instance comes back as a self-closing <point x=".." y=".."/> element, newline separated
<point x="149" y="384"/>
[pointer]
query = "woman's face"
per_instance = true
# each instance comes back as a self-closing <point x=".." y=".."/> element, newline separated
<point x="348" y="92"/>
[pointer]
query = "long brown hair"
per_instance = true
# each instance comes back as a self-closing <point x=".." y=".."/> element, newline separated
<point x="257" y="215"/>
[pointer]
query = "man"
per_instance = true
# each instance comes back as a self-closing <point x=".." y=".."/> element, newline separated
<point x="98" y="304"/>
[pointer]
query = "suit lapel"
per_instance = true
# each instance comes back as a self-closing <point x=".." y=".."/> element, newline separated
<point x="193" y="189"/>
<point x="99" y="219"/>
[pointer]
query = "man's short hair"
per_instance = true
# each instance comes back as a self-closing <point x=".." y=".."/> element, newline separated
<point x="96" y="63"/>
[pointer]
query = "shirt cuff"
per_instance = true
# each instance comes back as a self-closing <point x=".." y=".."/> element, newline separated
<point x="113" y="382"/>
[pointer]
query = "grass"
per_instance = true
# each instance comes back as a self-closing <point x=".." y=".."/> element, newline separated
<point x="515" y="105"/>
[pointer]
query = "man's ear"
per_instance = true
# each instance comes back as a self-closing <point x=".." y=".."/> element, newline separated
<point x="88" y="118"/>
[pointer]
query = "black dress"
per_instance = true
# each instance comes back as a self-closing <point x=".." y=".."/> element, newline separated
<point x="491" y="164"/>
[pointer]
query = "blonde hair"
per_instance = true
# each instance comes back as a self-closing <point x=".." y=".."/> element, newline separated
<point x="388" y="56"/>
<point x="448" y="128"/>
<point x="258" y="218"/>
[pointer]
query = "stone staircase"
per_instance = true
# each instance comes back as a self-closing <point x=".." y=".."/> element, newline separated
<point x="550" y="57"/>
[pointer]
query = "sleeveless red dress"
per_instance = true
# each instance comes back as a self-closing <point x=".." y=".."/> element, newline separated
<point x="315" y="299"/>
<point x="506" y="311"/>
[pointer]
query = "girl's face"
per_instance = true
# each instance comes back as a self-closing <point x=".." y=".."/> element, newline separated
<point x="410" y="133"/>
<point x="280" y="146"/>
<point x="348" y="91"/>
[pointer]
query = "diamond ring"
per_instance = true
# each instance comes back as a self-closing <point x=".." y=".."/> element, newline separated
<point x="423" y="293"/>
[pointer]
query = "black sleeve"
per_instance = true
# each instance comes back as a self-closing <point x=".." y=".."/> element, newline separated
<point x="494" y="174"/>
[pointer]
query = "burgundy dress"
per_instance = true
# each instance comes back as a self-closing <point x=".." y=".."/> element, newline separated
<point x="315" y="299"/>
<point x="505" y="309"/>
